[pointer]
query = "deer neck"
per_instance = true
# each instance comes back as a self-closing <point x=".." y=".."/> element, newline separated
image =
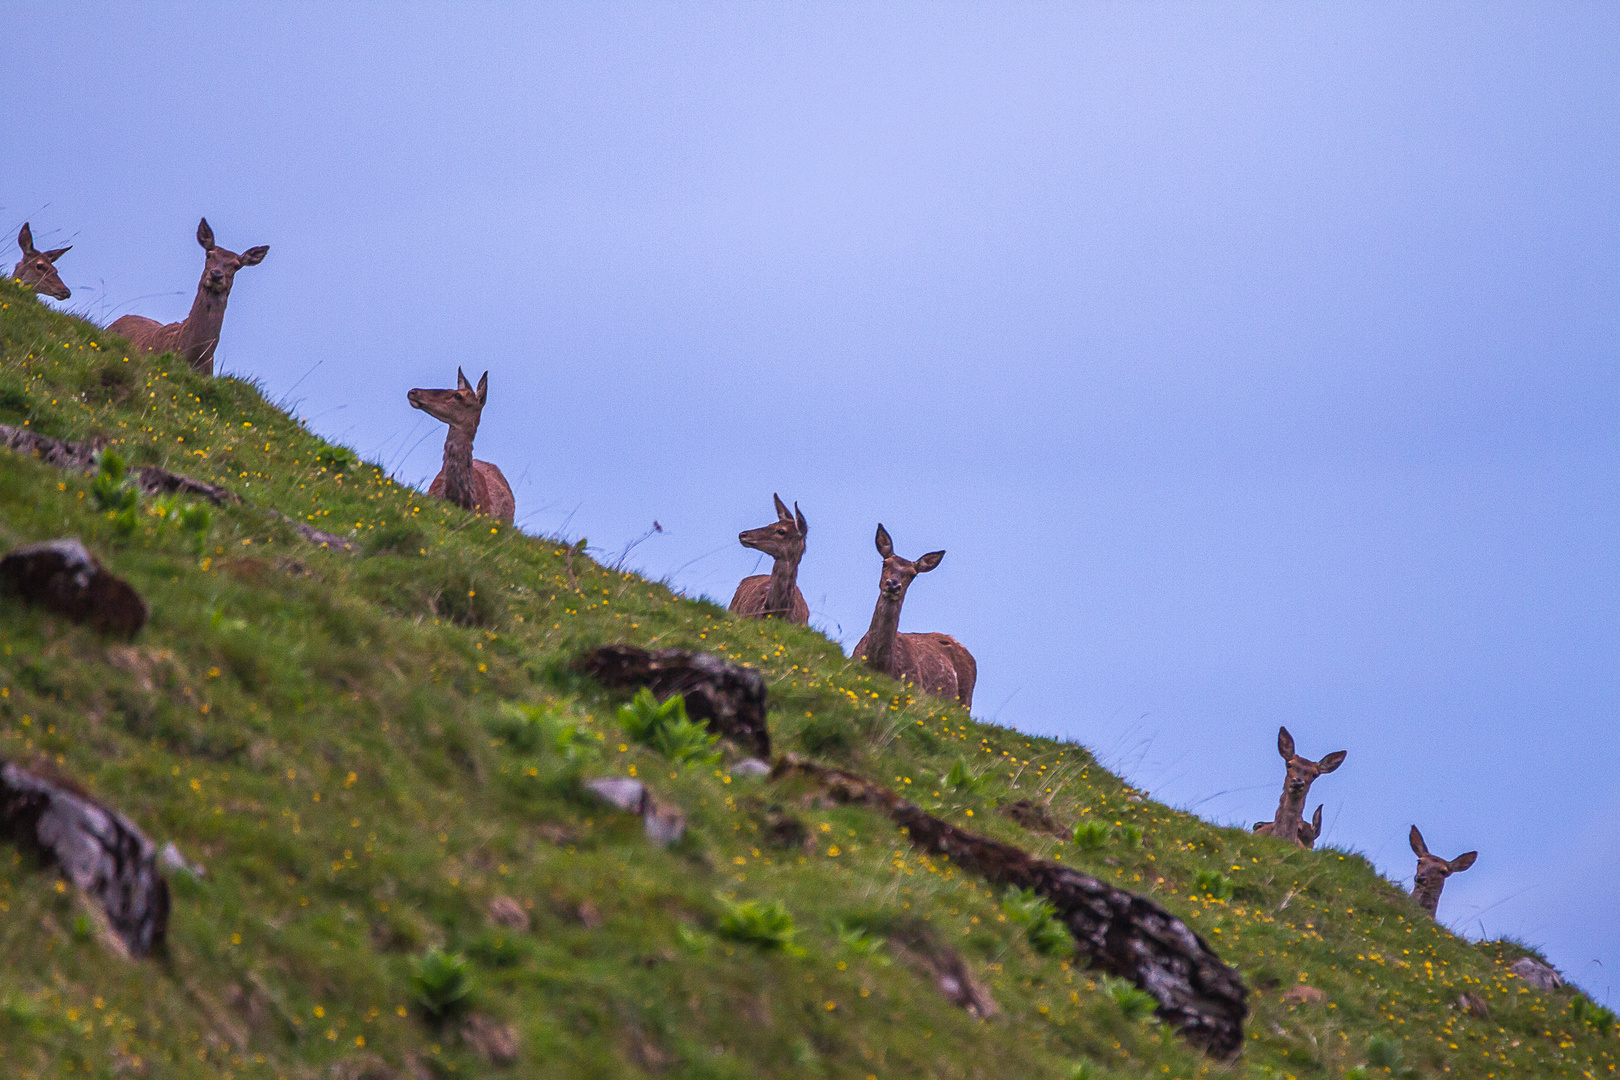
<point x="1427" y="894"/>
<point x="458" y="467"/>
<point x="1290" y="816"/>
<point x="881" y="636"/>
<point x="200" y="332"/>
<point x="779" y="597"/>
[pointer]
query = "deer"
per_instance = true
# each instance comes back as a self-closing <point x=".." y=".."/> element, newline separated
<point x="195" y="338"/>
<point x="1432" y="872"/>
<point x="936" y="662"/>
<point x="775" y="595"/>
<point x="1289" y="824"/>
<point x="477" y="486"/>
<point x="36" y="270"/>
<point x="1308" y="830"/>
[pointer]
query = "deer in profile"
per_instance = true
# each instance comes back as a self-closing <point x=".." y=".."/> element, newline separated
<point x="1289" y="824"/>
<point x="1432" y="872"/>
<point x="1308" y="830"/>
<point x="37" y="270"/>
<point x="472" y="485"/>
<point x="935" y="662"/>
<point x="195" y="338"/>
<point x="775" y="595"/>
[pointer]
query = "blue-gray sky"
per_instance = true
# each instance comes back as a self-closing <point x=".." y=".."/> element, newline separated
<point x="1255" y="364"/>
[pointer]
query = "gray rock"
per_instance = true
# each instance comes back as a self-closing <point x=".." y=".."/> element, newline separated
<point x="664" y="824"/>
<point x="170" y="858"/>
<point x="751" y="767"/>
<point x="1538" y="975"/>
<point x="624" y="793"/>
<point x="95" y="847"/>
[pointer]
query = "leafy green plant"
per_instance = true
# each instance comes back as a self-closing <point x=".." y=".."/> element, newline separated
<point x="1091" y="835"/>
<point x="192" y="520"/>
<point x="766" y="924"/>
<point x="1130" y="836"/>
<point x="114" y="492"/>
<point x="1134" y="1003"/>
<point x="693" y="941"/>
<point x="1213" y="883"/>
<point x="666" y="728"/>
<point x="531" y="728"/>
<point x="441" y="984"/>
<point x="1047" y="935"/>
<point x="1586" y="1011"/>
<point x="1083" y="1070"/>
<point x="1385" y="1052"/>
<point x="336" y="460"/>
<point x="859" y="942"/>
<point x="965" y="780"/>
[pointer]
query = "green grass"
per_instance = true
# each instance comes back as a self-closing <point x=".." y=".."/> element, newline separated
<point x="365" y="750"/>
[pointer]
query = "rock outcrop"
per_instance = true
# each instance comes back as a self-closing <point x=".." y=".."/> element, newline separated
<point x="63" y="576"/>
<point x="730" y="697"/>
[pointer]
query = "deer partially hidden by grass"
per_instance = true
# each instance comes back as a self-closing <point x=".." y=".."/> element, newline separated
<point x="37" y="269"/>
<point x="1432" y="872"/>
<point x="196" y="337"/>
<point x="935" y="662"/>
<point x="775" y="595"/>
<point x="1290" y="824"/>
<point x="472" y="485"/>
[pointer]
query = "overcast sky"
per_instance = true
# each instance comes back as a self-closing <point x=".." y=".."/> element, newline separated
<point x="1254" y="364"/>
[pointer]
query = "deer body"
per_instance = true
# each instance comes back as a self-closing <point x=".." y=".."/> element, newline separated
<point x="37" y="270"/>
<point x="937" y="663"/>
<point x="196" y="338"/>
<point x="1289" y="823"/>
<point x="477" y="486"/>
<point x="775" y="595"/>
<point x="1432" y="872"/>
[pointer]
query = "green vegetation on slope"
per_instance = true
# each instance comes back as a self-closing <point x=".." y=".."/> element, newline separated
<point x="366" y="751"/>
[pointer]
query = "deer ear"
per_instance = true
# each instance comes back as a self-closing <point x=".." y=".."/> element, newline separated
<point x="1463" y="862"/>
<point x="885" y="546"/>
<point x="255" y="255"/>
<point x="1419" y="848"/>
<point x="25" y="239"/>
<point x="205" y="235"/>
<point x="1332" y="761"/>
<point x="928" y="561"/>
<point x="461" y="381"/>
<point x="52" y="256"/>
<point x="1285" y="743"/>
<point x="798" y="519"/>
<point x="781" y="508"/>
<point x="483" y="388"/>
<point x="1316" y="819"/>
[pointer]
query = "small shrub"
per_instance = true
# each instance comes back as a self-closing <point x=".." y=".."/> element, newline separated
<point x="768" y="925"/>
<point x="440" y="982"/>
<point x="693" y="941"/>
<point x="530" y="728"/>
<point x="825" y="736"/>
<point x="400" y="538"/>
<point x="1091" y="835"/>
<point x="859" y="942"/>
<point x="1083" y="1070"/>
<point x="193" y="521"/>
<point x="1133" y="1003"/>
<point x="965" y="780"/>
<point x="336" y="460"/>
<point x="1131" y="836"/>
<point x="1385" y="1052"/>
<point x="1213" y="883"/>
<point x="1047" y="935"/>
<point x="1586" y="1011"/>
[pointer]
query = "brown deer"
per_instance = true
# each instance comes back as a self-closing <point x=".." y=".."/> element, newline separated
<point x="1432" y="872"/>
<point x="1309" y="831"/>
<point x="195" y="338"/>
<point x="36" y="271"/>
<point x="775" y="595"/>
<point x="1289" y="824"/>
<point x="472" y="485"/>
<point x="935" y="662"/>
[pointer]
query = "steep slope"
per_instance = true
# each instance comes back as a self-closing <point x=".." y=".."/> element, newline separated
<point x="333" y="736"/>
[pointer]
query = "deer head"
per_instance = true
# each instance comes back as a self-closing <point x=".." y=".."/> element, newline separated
<point x="460" y="408"/>
<point x="1432" y="872"/>
<point x="782" y="540"/>
<point x="36" y="271"/>
<point x="219" y="271"/>
<point x="899" y="573"/>
<point x="1302" y="772"/>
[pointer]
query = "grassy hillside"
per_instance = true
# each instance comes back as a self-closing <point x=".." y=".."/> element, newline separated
<point x="334" y="737"/>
